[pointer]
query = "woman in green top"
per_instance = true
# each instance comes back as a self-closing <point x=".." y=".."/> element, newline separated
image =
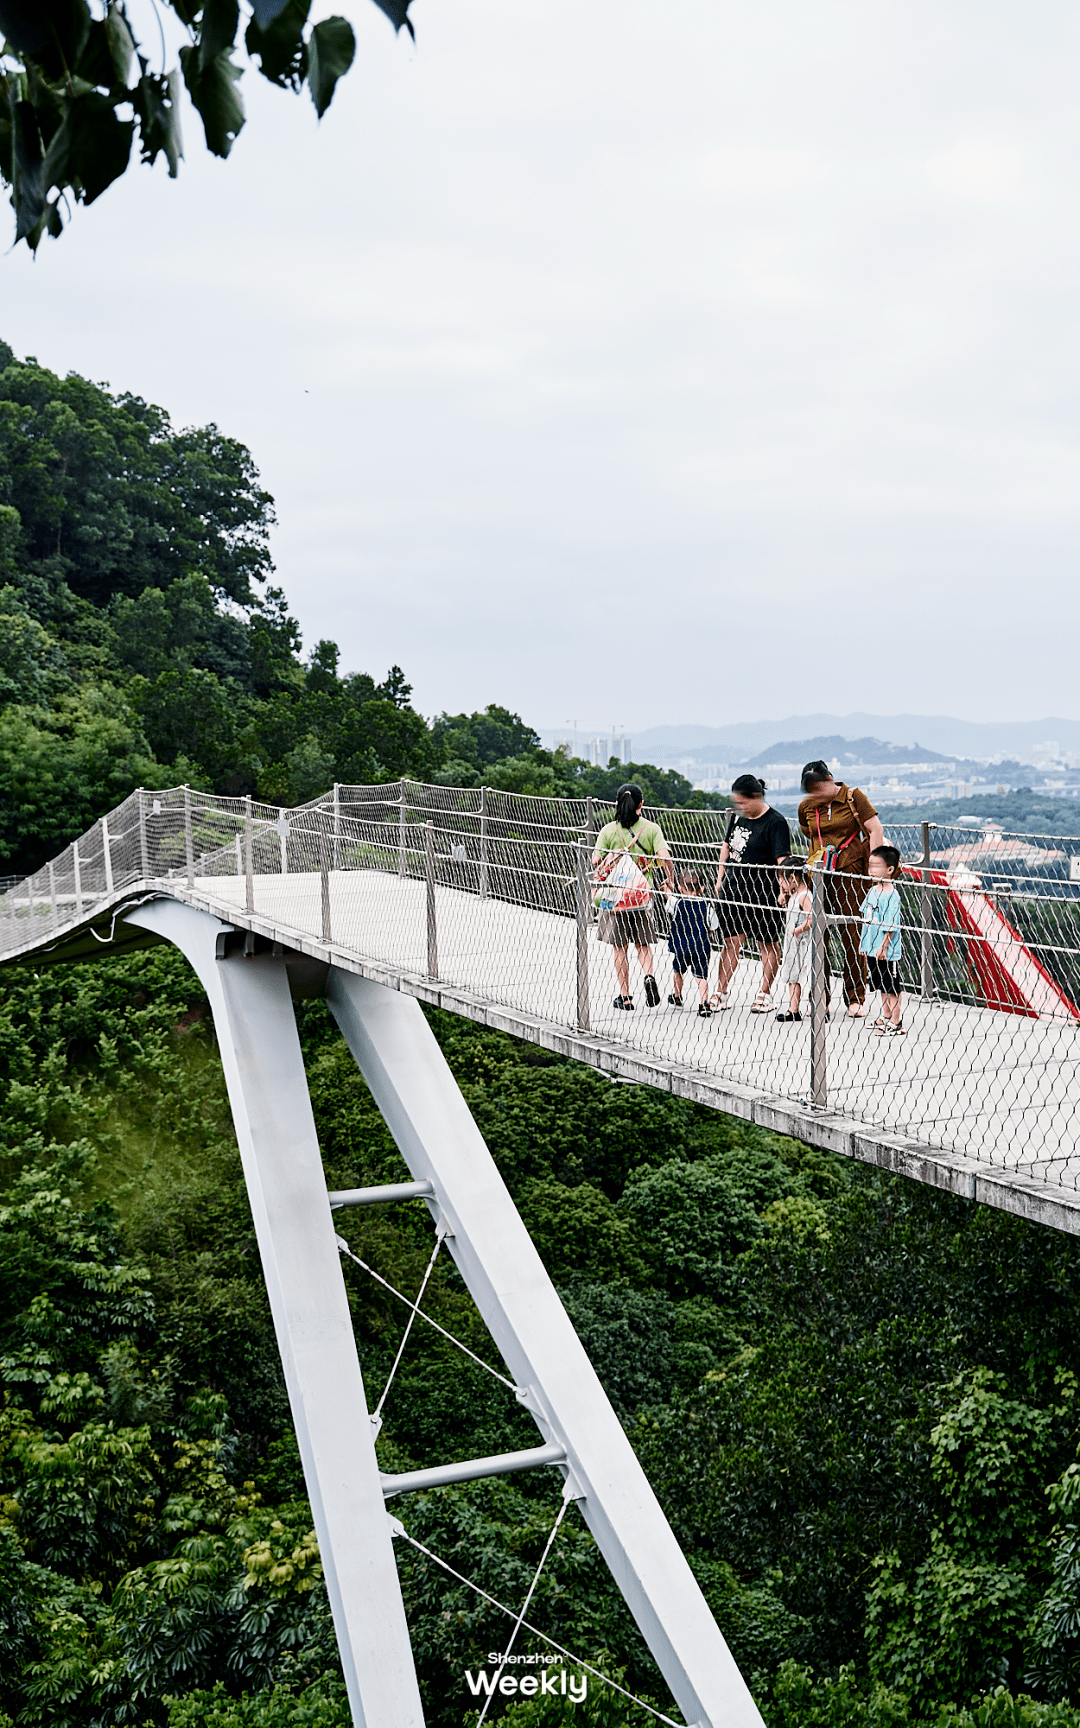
<point x="647" y="846"/>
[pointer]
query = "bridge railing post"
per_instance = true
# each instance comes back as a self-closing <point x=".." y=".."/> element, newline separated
<point x="106" y="850"/>
<point x="483" y="844"/>
<point x="144" y="850"/>
<point x="582" y="909"/>
<point x="429" y="877"/>
<point x="324" y="869"/>
<point x="590" y="836"/>
<point x="249" y="867"/>
<point x="926" y="910"/>
<point x="189" y="850"/>
<point x="819" y="990"/>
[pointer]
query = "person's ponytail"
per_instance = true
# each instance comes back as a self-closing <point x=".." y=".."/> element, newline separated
<point x="628" y="802"/>
<point x="749" y="786"/>
<point x="815" y="774"/>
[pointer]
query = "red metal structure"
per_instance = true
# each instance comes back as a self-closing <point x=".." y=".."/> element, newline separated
<point x="1001" y="966"/>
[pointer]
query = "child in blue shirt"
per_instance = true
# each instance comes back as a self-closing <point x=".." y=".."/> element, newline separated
<point x="881" y="941"/>
<point x="689" y="940"/>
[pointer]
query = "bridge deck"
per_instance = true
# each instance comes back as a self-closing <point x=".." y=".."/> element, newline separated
<point x="979" y="1101"/>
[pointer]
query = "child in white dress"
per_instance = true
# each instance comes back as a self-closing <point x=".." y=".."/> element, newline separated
<point x="795" y="965"/>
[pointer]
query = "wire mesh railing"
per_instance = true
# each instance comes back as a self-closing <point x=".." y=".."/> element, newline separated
<point x="496" y="894"/>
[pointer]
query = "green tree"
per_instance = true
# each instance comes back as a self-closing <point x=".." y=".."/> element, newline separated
<point x="66" y="75"/>
<point x="485" y="737"/>
<point x="954" y="1622"/>
<point x="60" y="768"/>
<point x="1053" y="1646"/>
<point x="111" y="499"/>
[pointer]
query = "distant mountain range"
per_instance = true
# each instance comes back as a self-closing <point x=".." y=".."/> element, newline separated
<point x="841" y="752"/>
<point x="938" y="734"/>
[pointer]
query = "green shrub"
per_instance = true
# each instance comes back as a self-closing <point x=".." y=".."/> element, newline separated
<point x="321" y="1705"/>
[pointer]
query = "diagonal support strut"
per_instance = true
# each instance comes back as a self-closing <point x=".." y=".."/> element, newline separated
<point x="429" y="1119"/>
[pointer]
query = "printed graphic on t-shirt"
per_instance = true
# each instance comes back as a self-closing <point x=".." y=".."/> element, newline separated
<point x="759" y="839"/>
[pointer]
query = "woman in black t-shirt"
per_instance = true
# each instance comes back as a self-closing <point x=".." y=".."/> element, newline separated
<point x="748" y="887"/>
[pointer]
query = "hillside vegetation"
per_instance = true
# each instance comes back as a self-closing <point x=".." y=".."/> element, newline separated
<point x="858" y="1400"/>
<point x="1018" y="812"/>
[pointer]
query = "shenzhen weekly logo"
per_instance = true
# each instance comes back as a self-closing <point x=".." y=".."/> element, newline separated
<point x="553" y="1682"/>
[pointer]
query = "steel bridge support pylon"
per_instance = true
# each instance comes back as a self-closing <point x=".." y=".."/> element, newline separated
<point x="264" y="1072"/>
<point x="427" y="1115"/>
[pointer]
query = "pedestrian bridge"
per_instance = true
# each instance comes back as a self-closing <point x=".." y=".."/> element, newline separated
<point x="480" y="902"/>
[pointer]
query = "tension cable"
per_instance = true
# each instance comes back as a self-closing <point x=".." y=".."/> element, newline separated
<point x="398" y="1529"/>
<point x="415" y="1307"/>
<point x="529" y="1595"/>
<point x="379" y="1279"/>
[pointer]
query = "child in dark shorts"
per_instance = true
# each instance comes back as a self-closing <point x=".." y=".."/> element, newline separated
<point x="881" y="941"/>
<point x="689" y="940"/>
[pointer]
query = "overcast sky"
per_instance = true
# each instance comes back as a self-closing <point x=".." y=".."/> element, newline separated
<point x="637" y="362"/>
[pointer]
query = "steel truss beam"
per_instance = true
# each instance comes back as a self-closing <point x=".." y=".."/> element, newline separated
<point x="454" y="1172"/>
<point x="470" y="1469"/>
